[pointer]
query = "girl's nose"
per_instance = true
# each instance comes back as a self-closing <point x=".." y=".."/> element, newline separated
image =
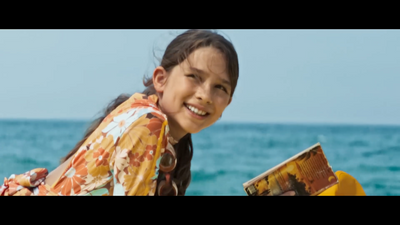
<point x="204" y="95"/>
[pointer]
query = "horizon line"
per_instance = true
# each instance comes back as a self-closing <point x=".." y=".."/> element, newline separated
<point x="218" y="122"/>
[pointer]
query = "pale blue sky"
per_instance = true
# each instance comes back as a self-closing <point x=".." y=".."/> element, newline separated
<point x="301" y="76"/>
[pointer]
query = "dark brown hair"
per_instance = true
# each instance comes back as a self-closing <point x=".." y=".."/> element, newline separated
<point x="177" y="51"/>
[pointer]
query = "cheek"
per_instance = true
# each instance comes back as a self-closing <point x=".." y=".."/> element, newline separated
<point x="222" y="103"/>
<point x="188" y="84"/>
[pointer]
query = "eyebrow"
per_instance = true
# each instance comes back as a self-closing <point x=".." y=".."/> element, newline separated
<point x="202" y="72"/>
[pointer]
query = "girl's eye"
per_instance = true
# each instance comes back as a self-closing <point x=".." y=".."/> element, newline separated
<point x="195" y="77"/>
<point x="222" y="88"/>
<point x="191" y="75"/>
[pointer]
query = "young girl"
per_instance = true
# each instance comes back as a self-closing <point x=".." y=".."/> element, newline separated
<point x="142" y="145"/>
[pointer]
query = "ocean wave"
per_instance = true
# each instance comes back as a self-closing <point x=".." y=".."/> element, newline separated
<point x="207" y="175"/>
<point x="359" y="143"/>
<point x="375" y="168"/>
<point x="23" y="159"/>
<point x="14" y="164"/>
<point x="392" y="149"/>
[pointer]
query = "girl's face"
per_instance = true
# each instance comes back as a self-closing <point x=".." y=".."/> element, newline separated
<point x="194" y="93"/>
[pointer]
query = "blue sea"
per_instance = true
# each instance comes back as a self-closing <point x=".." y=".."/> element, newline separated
<point x="227" y="154"/>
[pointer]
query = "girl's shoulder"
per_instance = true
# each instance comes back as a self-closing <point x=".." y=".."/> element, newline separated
<point x="136" y="106"/>
<point x="139" y="103"/>
<point x="138" y="112"/>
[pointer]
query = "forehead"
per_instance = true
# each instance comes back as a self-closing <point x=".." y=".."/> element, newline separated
<point x="209" y="60"/>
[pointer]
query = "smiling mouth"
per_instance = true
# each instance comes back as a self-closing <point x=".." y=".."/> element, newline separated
<point x="196" y="111"/>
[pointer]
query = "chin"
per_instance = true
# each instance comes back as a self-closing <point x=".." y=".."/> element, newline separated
<point x="193" y="130"/>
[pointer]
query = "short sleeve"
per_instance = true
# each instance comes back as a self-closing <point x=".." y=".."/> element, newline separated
<point x="137" y="155"/>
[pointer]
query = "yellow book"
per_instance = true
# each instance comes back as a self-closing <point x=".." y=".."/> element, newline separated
<point x="307" y="174"/>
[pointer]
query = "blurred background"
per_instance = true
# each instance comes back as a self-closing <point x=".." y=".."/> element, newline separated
<point x="296" y="88"/>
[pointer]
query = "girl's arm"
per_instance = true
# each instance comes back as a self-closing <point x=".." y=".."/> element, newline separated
<point x="56" y="173"/>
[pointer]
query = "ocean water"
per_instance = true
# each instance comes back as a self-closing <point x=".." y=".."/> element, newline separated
<point x="227" y="154"/>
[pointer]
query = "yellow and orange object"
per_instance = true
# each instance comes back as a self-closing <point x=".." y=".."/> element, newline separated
<point x="347" y="186"/>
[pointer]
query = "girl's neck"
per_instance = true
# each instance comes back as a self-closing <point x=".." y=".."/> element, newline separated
<point x="174" y="135"/>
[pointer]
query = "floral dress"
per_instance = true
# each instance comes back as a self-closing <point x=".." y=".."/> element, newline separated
<point x="121" y="157"/>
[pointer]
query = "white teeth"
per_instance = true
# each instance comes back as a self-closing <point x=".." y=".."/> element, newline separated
<point x="197" y="111"/>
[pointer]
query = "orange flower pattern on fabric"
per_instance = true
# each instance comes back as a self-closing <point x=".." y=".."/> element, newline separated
<point x="135" y="159"/>
<point x="75" y="176"/>
<point x="101" y="157"/>
<point x="149" y="153"/>
<point x="119" y="158"/>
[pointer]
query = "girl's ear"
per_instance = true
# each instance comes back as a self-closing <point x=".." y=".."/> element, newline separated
<point x="159" y="78"/>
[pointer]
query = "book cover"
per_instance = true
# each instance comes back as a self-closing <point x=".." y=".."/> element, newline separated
<point x="307" y="173"/>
